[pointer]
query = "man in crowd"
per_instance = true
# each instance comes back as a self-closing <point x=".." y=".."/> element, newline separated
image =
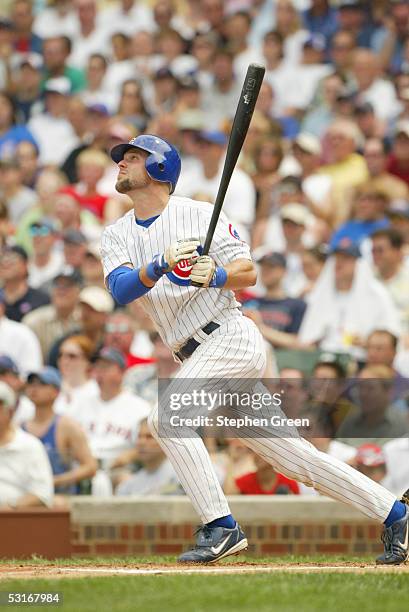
<point x="111" y="421"/>
<point x="156" y="475"/>
<point x="25" y="472"/>
<point x="278" y="316"/>
<point x="10" y="374"/>
<point x="19" y="297"/>
<point x="64" y="440"/>
<point x="62" y="315"/>
<point x="376" y="418"/>
<point x="18" y="341"/>
<point x="392" y="269"/>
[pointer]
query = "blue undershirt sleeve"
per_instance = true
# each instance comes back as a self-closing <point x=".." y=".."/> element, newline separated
<point x="125" y="285"/>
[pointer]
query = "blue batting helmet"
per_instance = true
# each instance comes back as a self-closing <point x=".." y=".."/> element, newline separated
<point x="163" y="163"/>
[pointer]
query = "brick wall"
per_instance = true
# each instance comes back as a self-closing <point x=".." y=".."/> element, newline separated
<point x="276" y="525"/>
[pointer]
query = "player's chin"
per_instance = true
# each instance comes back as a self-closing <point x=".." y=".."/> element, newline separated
<point x="123" y="185"/>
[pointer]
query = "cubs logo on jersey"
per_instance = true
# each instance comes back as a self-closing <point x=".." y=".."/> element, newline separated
<point x="233" y="232"/>
<point x="180" y="275"/>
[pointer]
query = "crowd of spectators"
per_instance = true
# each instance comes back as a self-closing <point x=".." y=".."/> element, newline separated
<point x="321" y="193"/>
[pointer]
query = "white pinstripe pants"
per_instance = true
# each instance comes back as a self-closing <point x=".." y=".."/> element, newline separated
<point x="236" y="350"/>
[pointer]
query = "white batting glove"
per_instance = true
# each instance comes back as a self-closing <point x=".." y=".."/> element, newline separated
<point x="176" y="252"/>
<point x="203" y="271"/>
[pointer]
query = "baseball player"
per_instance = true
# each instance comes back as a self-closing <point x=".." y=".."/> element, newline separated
<point x="150" y="254"/>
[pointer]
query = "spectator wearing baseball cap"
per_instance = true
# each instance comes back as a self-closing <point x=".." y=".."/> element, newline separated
<point x="20" y="298"/>
<point x="64" y="440"/>
<point x="368" y="216"/>
<point x="353" y="17"/>
<point x="111" y="420"/>
<point x="321" y="17"/>
<point x="91" y="269"/>
<point x="12" y="132"/>
<point x="277" y="315"/>
<point x="27" y="84"/>
<point x="60" y="317"/>
<point x="202" y="179"/>
<point x="25" y="472"/>
<point x="46" y="260"/>
<point x="75" y="247"/>
<point x="10" y="374"/>
<point x="307" y="151"/>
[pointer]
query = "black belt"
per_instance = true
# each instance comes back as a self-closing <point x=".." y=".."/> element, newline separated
<point x="191" y="345"/>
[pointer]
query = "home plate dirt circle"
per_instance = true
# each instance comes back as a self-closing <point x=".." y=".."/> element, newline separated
<point x="31" y="572"/>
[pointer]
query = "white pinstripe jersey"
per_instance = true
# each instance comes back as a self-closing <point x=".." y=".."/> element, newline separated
<point x="178" y="310"/>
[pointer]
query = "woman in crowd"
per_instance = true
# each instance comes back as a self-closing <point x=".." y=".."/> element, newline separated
<point x="74" y="362"/>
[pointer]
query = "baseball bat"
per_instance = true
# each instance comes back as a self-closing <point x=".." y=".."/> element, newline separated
<point x="241" y="122"/>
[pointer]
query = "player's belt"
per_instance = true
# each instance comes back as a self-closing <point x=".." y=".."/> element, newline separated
<point x="191" y="345"/>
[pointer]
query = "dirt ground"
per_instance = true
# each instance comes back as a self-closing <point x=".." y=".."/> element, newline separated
<point x="15" y="571"/>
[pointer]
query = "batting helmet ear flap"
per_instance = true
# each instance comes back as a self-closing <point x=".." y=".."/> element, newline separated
<point x="163" y="164"/>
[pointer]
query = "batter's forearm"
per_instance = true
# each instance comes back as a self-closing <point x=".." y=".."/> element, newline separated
<point x="240" y="274"/>
<point x="127" y="285"/>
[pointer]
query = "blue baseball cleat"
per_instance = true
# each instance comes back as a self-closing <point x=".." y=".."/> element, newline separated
<point x="396" y="542"/>
<point x="214" y="543"/>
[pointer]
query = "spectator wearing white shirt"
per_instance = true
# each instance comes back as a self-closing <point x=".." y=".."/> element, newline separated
<point x="202" y="181"/>
<point x="397" y="463"/>
<point x="392" y="270"/>
<point x="58" y="19"/>
<point x="128" y="17"/>
<point x="371" y="87"/>
<point x="110" y="419"/>
<point x="347" y="304"/>
<point x="288" y="23"/>
<point x="52" y="130"/>
<point x="25" y="472"/>
<point x="18" y="342"/>
<point x="91" y="36"/>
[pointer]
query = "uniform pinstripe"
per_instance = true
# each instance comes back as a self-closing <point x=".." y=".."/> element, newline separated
<point x="234" y="351"/>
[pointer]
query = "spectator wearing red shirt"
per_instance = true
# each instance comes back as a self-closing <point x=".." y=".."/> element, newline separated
<point x="265" y="481"/>
<point x="398" y="163"/>
<point x="91" y="166"/>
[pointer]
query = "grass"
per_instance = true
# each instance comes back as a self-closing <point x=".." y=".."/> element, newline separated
<point x="262" y="592"/>
<point x="123" y="561"/>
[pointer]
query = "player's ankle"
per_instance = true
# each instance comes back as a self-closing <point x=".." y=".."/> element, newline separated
<point x="224" y="521"/>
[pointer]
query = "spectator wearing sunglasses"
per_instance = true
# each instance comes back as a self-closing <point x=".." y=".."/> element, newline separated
<point x="47" y="261"/>
<point x="74" y="362"/>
